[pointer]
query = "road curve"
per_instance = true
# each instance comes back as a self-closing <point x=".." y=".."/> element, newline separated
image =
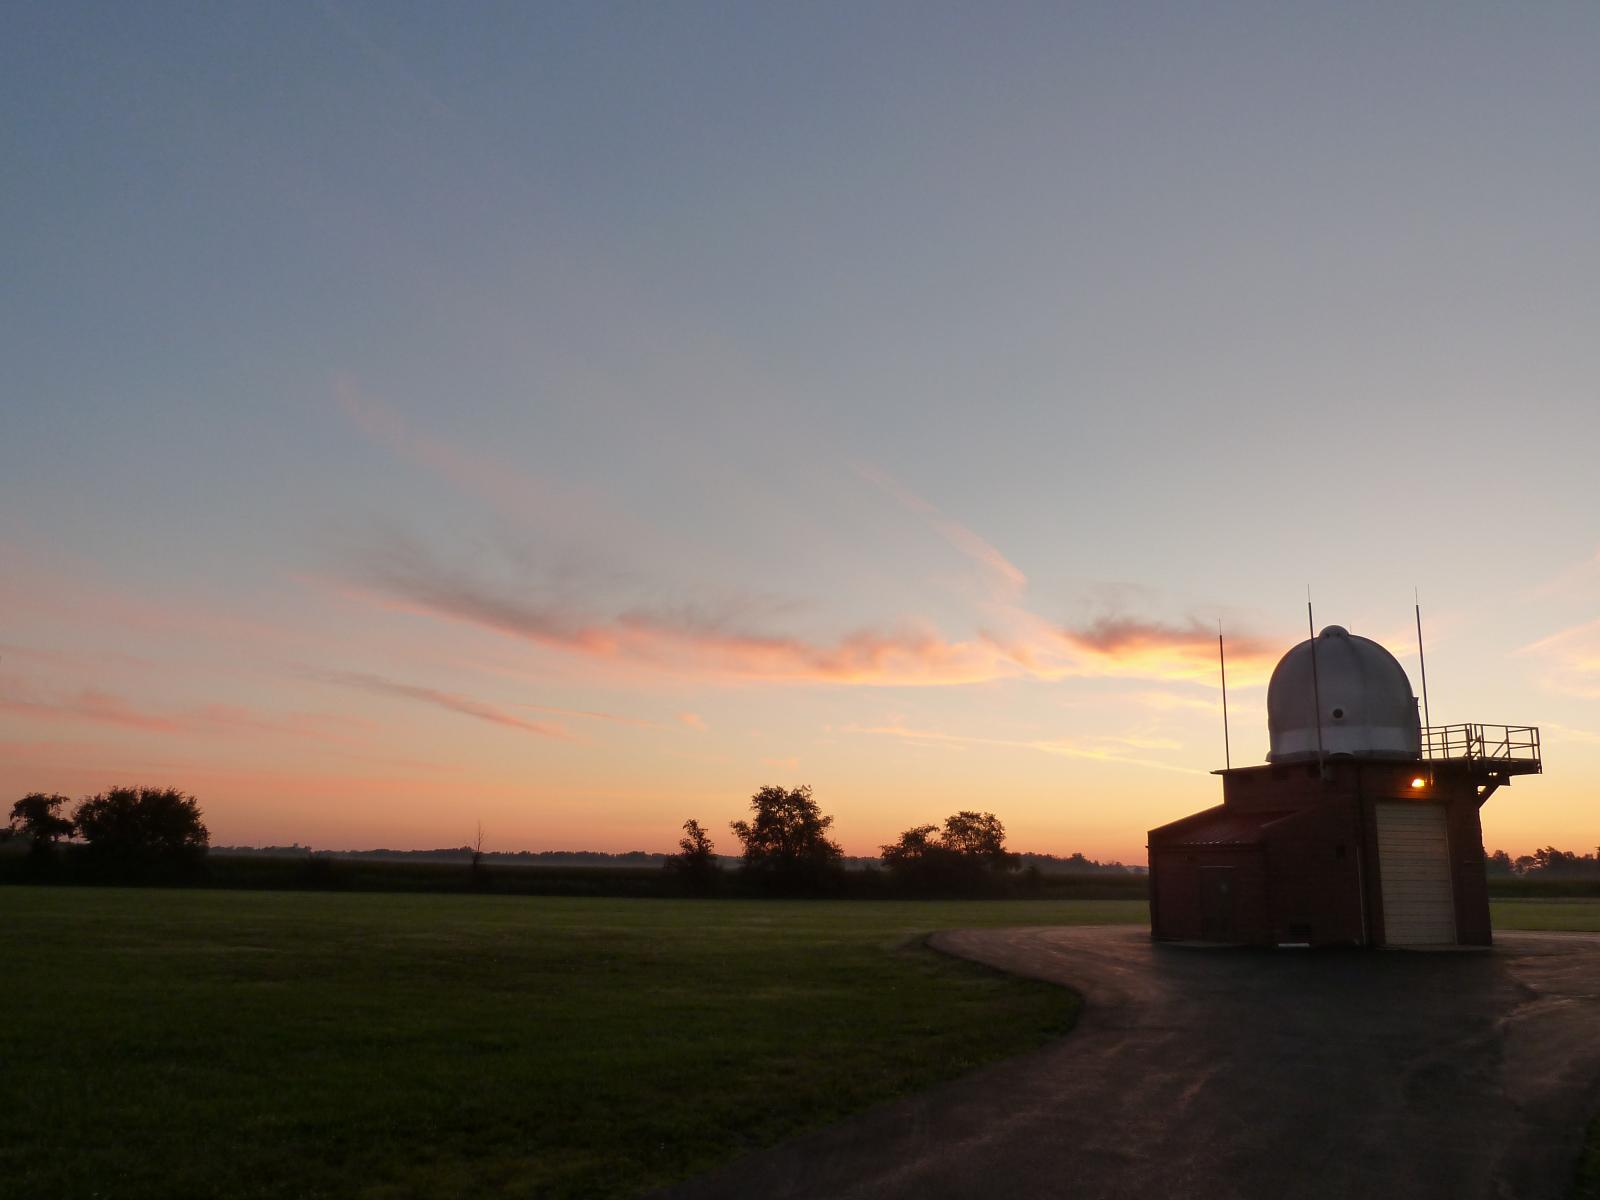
<point x="1249" y="1074"/>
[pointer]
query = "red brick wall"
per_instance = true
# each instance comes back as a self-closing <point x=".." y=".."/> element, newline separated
<point x="1178" y="908"/>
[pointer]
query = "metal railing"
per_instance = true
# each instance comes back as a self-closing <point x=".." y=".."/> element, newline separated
<point x="1503" y="743"/>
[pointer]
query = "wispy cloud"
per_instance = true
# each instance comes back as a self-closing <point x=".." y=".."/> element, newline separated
<point x="1571" y="658"/>
<point x="578" y="516"/>
<point x="108" y="708"/>
<point x="1104" y="749"/>
<point x="1579" y="635"/>
<point x="91" y="705"/>
<point x="452" y="701"/>
<point x="1580" y="577"/>
<point x="1129" y="645"/>
<point x="727" y="642"/>
<point x="956" y="534"/>
<point x="693" y="720"/>
<point x="703" y="642"/>
<point x="684" y="639"/>
<point x="589" y="714"/>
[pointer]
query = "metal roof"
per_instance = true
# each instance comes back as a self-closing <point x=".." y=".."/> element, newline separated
<point x="1223" y="829"/>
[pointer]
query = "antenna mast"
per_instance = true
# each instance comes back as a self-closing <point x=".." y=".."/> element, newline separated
<point x="1422" y="662"/>
<point x="1316" y="686"/>
<point x="1222" y="660"/>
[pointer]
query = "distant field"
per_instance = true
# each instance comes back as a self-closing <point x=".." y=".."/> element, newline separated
<point x="158" y="1043"/>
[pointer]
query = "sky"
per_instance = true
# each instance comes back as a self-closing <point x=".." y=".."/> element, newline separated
<point x="570" y="418"/>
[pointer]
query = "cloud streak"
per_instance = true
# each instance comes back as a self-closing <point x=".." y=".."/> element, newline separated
<point x="108" y="708"/>
<point x="956" y="534"/>
<point x="684" y="640"/>
<point x="452" y="701"/>
<point x="1572" y="657"/>
<point x="92" y="705"/>
<point x="1127" y="645"/>
<point x="1102" y="749"/>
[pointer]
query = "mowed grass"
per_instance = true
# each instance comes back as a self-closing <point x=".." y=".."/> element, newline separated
<point x="203" y="1043"/>
<point x="1572" y="915"/>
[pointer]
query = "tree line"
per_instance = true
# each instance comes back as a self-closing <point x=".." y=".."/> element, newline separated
<point x="1548" y="863"/>
<point x="787" y="851"/>
<point x="158" y="835"/>
<point x="122" y="831"/>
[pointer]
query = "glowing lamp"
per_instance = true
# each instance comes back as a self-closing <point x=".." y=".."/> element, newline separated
<point x="1418" y="782"/>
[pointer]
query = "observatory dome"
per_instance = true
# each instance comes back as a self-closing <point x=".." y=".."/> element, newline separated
<point x="1368" y="710"/>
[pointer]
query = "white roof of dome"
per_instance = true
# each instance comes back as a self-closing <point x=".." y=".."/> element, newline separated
<point x="1368" y="708"/>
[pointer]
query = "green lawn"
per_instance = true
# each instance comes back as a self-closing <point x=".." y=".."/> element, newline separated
<point x="1575" y="915"/>
<point x="201" y="1043"/>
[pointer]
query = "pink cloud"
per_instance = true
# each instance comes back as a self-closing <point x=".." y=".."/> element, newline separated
<point x="909" y="654"/>
<point x="693" y="720"/>
<point x="684" y="641"/>
<point x="1129" y="645"/>
<point x="91" y="705"/>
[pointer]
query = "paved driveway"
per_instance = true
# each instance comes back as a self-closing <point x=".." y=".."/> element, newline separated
<point x="1233" y="1073"/>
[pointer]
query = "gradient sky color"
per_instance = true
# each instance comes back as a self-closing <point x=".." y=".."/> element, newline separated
<point x="573" y="417"/>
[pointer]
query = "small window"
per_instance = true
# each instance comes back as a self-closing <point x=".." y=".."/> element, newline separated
<point x="1338" y="714"/>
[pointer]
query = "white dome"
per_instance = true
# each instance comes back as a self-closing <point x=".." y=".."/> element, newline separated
<point x="1368" y="709"/>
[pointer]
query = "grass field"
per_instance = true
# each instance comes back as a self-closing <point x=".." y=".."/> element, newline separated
<point x="176" y="1043"/>
<point x="197" y="1043"/>
<point x="1572" y="914"/>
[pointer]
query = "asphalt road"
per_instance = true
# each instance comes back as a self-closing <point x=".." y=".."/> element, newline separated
<point x="1233" y="1073"/>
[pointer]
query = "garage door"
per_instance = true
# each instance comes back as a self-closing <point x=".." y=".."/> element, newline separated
<point x="1414" y="866"/>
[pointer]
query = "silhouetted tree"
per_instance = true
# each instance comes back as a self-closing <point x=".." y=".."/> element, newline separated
<point x="916" y="845"/>
<point x="37" y="817"/>
<point x="695" y="864"/>
<point x="143" y="827"/>
<point x="1550" y="861"/>
<point x="967" y="856"/>
<point x="786" y="847"/>
<point x="1544" y="863"/>
<point x="479" y="875"/>
<point x="977" y="836"/>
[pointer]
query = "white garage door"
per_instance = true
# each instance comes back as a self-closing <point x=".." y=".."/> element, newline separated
<point x="1414" y="866"/>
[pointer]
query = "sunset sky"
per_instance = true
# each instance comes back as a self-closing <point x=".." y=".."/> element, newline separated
<point x="572" y="417"/>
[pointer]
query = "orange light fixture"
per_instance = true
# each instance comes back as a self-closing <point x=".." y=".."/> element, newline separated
<point x="1418" y="782"/>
